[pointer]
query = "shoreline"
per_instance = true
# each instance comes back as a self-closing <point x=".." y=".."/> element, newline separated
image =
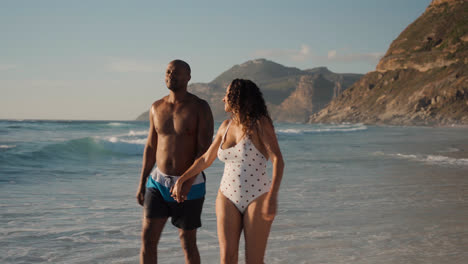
<point x="462" y="126"/>
<point x="461" y="153"/>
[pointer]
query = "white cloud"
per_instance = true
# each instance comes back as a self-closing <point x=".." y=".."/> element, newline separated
<point x="295" y="55"/>
<point x="372" y="57"/>
<point x="126" y="65"/>
<point x="305" y="53"/>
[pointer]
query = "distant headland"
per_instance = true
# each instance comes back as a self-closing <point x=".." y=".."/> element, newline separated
<point x="292" y="95"/>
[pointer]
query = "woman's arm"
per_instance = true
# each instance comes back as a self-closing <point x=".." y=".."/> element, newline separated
<point x="204" y="138"/>
<point x="200" y="164"/>
<point x="269" y="140"/>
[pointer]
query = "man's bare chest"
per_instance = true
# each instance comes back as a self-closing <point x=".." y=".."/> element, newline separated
<point x="176" y="122"/>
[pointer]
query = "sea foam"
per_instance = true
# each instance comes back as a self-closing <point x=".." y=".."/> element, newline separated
<point x="7" y="146"/>
<point x="429" y="159"/>
<point x="116" y="124"/>
<point x="325" y="129"/>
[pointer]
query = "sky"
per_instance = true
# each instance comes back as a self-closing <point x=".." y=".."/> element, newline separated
<point x="105" y="60"/>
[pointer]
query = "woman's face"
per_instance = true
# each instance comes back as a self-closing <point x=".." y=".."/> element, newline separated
<point x="227" y="108"/>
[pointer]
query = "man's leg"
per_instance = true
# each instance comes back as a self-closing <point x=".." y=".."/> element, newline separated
<point x="187" y="217"/>
<point x="188" y="240"/>
<point x="151" y="232"/>
<point x="154" y="218"/>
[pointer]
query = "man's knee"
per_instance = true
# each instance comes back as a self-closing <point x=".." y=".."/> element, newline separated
<point x="148" y="241"/>
<point x="188" y="239"/>
<point x="151" y="231"/>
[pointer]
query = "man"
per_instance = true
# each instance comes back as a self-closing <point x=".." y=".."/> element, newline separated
<point x="181" y="130"/>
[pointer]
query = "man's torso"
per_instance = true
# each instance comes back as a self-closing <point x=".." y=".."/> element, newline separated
<point x="177" y="128"/>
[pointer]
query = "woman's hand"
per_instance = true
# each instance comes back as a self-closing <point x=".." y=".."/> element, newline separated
<point x="269" y="207"/>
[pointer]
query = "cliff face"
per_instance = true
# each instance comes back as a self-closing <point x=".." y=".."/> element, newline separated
<point x="291" y="94"/>
<point x="421" y="80"/>
<point x="312" y="94"/>
<point x="434" y="40"/>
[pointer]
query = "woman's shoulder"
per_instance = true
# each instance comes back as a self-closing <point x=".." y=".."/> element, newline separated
<point x="223" y="125"/>
<point x="264" y="122"/>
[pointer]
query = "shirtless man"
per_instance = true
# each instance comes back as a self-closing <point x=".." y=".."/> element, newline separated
<point x="181" y="130"/>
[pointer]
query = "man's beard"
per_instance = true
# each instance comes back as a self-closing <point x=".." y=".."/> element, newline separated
<point x="175" y="88"/>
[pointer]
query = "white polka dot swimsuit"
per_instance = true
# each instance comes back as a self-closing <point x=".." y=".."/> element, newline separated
<point x="244" y="177"/>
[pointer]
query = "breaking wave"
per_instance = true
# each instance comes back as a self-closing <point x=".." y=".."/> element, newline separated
<point x="342" y="128"/>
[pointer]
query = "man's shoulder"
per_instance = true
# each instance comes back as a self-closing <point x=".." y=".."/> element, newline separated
<point x="194" y="98"/>
<point x="199" y="102"/>
<point x="159" y="102"/>
<point x="156" y="105"/>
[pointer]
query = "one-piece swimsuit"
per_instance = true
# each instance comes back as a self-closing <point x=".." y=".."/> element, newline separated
<point x="245" y="176"/>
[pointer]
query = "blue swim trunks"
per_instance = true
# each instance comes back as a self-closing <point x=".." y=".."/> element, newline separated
<point x="164" y="182"/>
<point x="159" y="203"/>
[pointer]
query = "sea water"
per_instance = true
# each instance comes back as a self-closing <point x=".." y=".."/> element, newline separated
<point x="351" y="193"/>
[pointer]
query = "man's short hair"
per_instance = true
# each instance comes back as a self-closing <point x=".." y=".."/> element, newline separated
<point x="183" y="64"/>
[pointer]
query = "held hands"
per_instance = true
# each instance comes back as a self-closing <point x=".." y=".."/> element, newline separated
<point x="180" y="190"/>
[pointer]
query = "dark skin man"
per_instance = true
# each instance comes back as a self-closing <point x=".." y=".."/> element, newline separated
<point x="181" y="130"/>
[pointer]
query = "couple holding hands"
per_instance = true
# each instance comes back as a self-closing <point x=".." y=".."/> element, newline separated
<point x="180" y="143"/>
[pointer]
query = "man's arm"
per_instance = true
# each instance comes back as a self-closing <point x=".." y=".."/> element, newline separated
<point x="205" y="128"/>
<point x="149" y="157"/>
<point x="203" y="162"/>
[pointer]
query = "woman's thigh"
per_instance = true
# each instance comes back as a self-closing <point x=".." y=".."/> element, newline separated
<point x="256" y="231"/>
<point x="229" y="222"/>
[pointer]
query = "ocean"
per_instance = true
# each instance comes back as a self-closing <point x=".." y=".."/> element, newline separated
<point x="351" y="193"/>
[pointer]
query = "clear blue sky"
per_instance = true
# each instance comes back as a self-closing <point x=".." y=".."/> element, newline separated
<point x="106" y="59"/>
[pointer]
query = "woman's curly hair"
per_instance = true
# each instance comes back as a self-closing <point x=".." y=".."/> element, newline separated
<point x="247" y="104"/>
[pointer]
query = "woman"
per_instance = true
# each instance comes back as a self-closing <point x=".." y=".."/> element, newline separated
<point x="246" y="199"/>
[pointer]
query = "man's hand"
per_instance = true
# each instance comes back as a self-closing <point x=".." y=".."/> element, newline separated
<point x="141" y="195"/>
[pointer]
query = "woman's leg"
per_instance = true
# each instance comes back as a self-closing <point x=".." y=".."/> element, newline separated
<point x="256" y="231"/>
<point x="229" y="221"/>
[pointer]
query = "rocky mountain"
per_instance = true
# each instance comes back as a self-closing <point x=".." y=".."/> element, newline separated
<point x="292" y="95"/>
<point x="421" y="80"/>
